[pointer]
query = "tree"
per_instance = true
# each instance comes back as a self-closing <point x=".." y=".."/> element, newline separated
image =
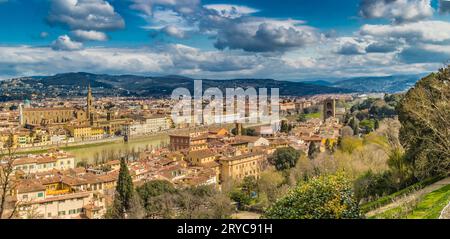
<point x="323" y="197"/>
<point x="269" y="183"/>
<point x="302" y="118"/>
<point x="126" y="202"/>
<point x="376" y="124"/>
<point x="285" y="158"/>
<point x="354" y="124"/>
<point x="347" y="131"/>
<point x="313" y="150"/>
<point x="157" y="197"/>
<point x="424" y="113"/>
<point x="6" y="181"/>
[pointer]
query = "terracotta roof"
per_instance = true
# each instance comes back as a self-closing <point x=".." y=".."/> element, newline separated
<point x="29" y="185"/>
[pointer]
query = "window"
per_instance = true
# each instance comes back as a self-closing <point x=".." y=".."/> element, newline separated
<point x="49" y="214"/>
<point x="25" y="197"/>
<point x="61" y="213"/>
<point x="40" y="195"/>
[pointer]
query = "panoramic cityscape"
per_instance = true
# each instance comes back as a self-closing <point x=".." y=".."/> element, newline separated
<point x="224" y="109"/>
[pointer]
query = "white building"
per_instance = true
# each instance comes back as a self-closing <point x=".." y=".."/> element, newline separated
<point x="45" y="162"/>
<point x="149" y="126"/>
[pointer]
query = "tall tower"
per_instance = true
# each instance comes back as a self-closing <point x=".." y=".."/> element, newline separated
<point x="329" y="108"/>
<point x="90" y="103"/>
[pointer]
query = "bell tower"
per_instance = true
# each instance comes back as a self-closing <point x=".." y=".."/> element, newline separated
<point x="90" y="103"/>
<point x="329" y="108"/>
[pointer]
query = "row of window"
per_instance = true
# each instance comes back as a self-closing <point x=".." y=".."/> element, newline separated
<point x="69" y="212"/>
<point x="40" y="166"/>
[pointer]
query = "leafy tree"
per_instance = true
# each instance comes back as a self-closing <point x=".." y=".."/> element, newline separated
<point x="368" y="125"/>
<point x="313" y="150"/>
<point x="424" y="113"/>
<point x="269" y="183"/>
<point x="347" y="131"/>
<point x="370" y="186"/>
<point x="157" y="197"/>
<point x="323" y="197"/>
<point x="285" y="158"/>
<point x="350" y="144"/>
<point x="376" y="124"/>
<point x="354" y="124"/>
<point x="301" y="118"/>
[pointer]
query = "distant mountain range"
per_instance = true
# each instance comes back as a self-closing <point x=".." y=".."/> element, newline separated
<point x="382" y="84"/>
<point x="164" y="85"/>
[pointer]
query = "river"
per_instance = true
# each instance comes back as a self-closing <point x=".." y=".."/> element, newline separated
<point x="91" y="154"/>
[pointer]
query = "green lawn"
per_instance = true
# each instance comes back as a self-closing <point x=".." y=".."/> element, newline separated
<point x="317" y="115"/>
<point x="431" y="205"/>
<point x="428" y="207"/>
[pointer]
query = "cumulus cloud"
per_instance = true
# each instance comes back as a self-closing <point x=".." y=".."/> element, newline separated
<point x="182" y="6"/>
<point x="193" y="62"/>
<point x="264" y="35"/>
<point x="64" y="43"/>
<point x="231" y="26"/>
<point x="96" y="15"/>
<point x="351" y="47"/>
<point x="81" y="35"/>
<point x="173" y="31"/>
<point x="382" y="47"/>
<point x="428" y="31"/>
<point x="231" y="11"/>
<point x="397" y="10"/>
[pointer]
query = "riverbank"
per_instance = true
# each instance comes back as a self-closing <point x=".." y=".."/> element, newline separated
<point x="86" y="144"/>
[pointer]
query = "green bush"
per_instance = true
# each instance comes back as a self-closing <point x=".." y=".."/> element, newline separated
<point x="324" y="197"/>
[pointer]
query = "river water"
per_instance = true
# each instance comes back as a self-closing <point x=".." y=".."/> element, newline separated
<point x="97" y="153"/>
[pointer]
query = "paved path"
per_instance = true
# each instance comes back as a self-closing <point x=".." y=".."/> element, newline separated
<point x="445" y="214"/>
<point x="410" y="197"/>
<point x="245" y="215"/>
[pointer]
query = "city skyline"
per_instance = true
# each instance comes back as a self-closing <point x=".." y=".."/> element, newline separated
<point x="224" y="39"/>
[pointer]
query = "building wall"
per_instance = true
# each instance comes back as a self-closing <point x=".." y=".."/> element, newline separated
<point x="51" y="115"/>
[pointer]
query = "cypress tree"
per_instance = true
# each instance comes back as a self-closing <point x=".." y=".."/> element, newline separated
<point x="124" y="192"/>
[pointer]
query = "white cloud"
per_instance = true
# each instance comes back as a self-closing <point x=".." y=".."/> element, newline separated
<point x="193" y="62"/>
<point x="81" y="35"/>
<point x="85" y="15"/>
<point x="432" y="31"/>
<point x="397" y="10"/>
<point x="231" y="11"/>
<point x="64" y="43"/>
<point x="264" y="35"/>
<point x="182" y="6"/>
<point x="173" y="31"/>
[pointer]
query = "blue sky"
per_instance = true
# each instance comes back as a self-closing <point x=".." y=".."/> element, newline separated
<point x="288" y="39"/>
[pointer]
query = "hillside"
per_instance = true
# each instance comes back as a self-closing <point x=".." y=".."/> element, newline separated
<point x="377" y="84"/>
<point x="163" y="86"/>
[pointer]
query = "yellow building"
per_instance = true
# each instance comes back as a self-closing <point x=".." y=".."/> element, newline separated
<point x="80" y="132"/>
<point x="238" y="167"/>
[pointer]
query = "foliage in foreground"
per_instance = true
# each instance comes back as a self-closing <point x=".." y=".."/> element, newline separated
<point x="323" y="197"/>
<point x="424" y="113"/>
